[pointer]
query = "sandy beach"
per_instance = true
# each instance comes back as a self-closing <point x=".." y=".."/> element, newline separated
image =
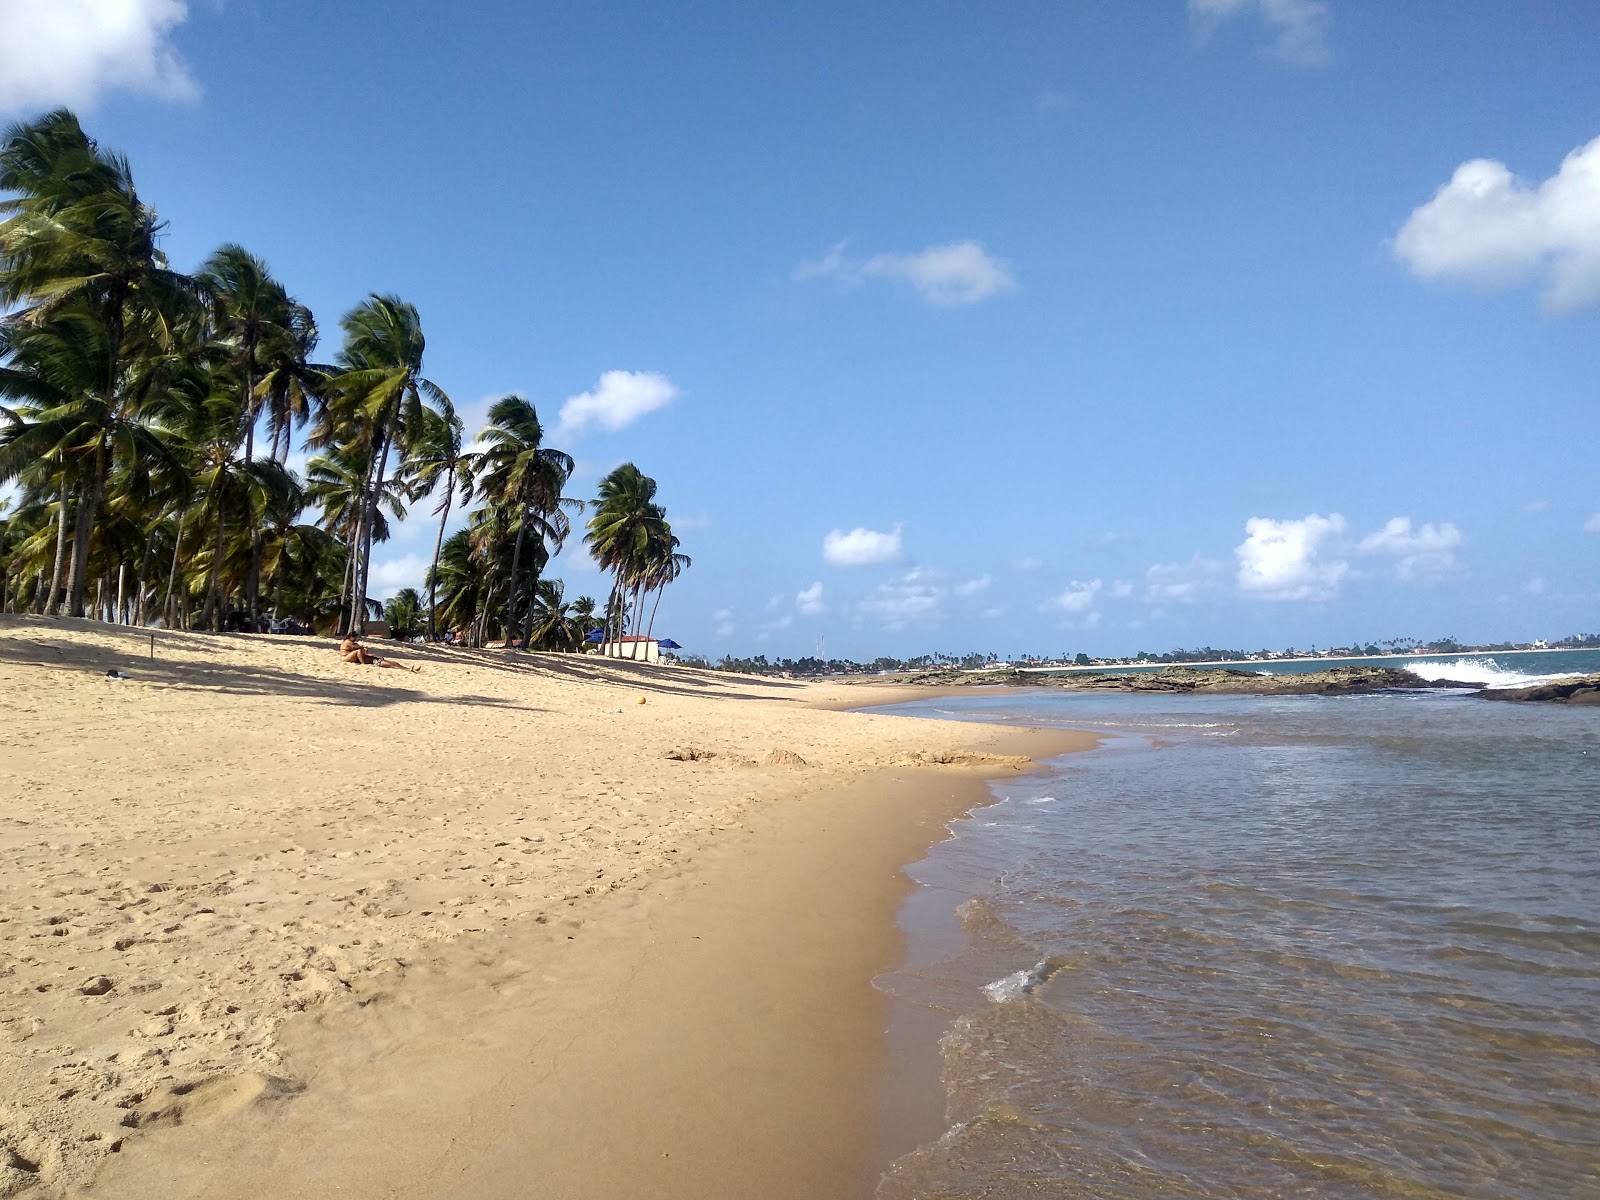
<point x="510" y="926"/>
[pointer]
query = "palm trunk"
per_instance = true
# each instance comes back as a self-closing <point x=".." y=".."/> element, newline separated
<point x="213" y="589"/>
<point x="516" y="564"/>
<point x="358" y="616"/>
<point x="438" y="547"/>
<point x="172" y="574"/>
<point x="140" y="605"/>
<point x="122" y="593"/>
<point x="83" y="534"/>
<point x="638" y="618"/>
<point x="651" y="629"/>
<point x="52" y="598"/>
<point x="253" y="577"/>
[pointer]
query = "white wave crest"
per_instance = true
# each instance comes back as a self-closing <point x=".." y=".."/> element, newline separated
<point x="1483" y="671"/>
<point x="1020" y="983"/>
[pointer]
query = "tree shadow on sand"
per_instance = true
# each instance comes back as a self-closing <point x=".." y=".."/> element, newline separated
<point x="591" y="668"/>
<point x="372" y="691"/>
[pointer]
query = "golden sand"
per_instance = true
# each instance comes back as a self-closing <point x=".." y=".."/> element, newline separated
<point x="274" y="924"/>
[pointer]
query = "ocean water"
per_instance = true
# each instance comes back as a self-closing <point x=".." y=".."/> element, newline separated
<point x="1290" y="946"/>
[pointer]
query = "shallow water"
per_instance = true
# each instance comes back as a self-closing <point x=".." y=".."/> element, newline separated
<point x="1266" y="947"/>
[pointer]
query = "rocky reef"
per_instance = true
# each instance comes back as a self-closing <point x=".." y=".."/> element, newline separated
<point x="1334" y="681"/>
<point x="1581" y="689"/>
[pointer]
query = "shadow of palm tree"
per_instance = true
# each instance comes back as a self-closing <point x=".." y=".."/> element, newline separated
<point x="61" y="650"/>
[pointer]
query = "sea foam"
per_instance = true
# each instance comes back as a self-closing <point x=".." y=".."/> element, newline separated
<point x="1483" y="671"/>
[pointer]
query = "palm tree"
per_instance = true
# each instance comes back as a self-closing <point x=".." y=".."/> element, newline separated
<point x="557" y="624"/>
<point x="404" y="613"/>
<point x="460" y="583"/>
<point x="232" y="484"/>
<point x="77" y="235"/>
<point x="525" y="477"/>
<point x="65" y="430"/>
<point x="663" y="564"/>
<point x="338" y="482"/>
<point x="438" y="458"/>
<point x="627" y="522"/>
<point x="254" y="318"/>
<point x="375" y="401"/>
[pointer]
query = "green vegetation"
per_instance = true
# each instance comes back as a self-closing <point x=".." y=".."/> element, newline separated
<point x="130" y="399"/>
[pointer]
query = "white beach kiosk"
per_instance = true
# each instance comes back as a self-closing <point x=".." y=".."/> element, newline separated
<point x="632" y="646"/>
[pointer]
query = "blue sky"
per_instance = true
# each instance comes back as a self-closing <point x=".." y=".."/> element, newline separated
<point x="1028" y="327"/>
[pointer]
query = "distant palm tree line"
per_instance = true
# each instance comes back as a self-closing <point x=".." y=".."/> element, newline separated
<point x="130" y="400"/>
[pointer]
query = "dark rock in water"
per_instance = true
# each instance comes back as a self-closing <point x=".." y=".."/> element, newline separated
<point x="1333" y="681"/>
<point x="1583" y="689"/>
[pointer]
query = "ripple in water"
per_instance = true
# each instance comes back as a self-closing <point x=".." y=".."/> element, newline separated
<point x="1351" y="951"/>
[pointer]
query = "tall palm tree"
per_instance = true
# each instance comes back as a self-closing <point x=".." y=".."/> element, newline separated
<point x="438" y="458"/>
<point x="376" y="401"/>
<point x="76" y="234"/>
<point x="526" y="478"/>
<point x="626" y="523"/>
<point x="256" y="321"/>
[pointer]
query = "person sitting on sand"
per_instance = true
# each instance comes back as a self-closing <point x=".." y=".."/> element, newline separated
<point x="352" y="651"/>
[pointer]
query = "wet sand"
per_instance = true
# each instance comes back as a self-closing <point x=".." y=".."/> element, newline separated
<point x="334" y="930"/>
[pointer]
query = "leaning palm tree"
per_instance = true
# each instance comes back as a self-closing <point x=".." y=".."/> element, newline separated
<point x="76" y="234"/>
<point x="438" y="458"/>
<point x="525" y="477"/>
<point x="376" y="402"/>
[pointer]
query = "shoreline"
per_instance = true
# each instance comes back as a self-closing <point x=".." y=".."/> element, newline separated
<point x="716" y="1003"/>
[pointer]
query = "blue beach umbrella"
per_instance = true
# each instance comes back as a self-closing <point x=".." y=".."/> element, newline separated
<point x="669" y="644"/>
<point x="595" y="635"/>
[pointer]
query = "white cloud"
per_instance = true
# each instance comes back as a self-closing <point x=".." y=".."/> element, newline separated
<point x="1121" y="589"/>
<point x="620" y="398"/>
<point x="905" y="601"/>
<point x="1181" y="583"/>
<point x="1535" y="586"/>
<point x="809" y="600"/>
<point x="723" y="622"/>
<point x="1027" y="564"/>
<point x="386" y="578"/>
<point x="1286" y="560"/>
<point x="952" y="274"/>
<point x="1299" y="27"/>
<point x="861" y="547"/>
<point x="971" y="587"/>
<point x="1536" y="506"/>
<point x="66" y="52"/>
<point x="1423" y="553"/>
<point x="1488" y="227"/>
<point x="1592" y="525"/>
<point x="1076" y="598"/>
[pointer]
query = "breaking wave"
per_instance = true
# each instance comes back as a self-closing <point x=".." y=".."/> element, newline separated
<point x="1485" y="672"/>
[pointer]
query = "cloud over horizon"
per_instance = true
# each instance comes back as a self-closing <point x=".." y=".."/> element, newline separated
<point x="1488" y="227"/>
<point x="861" y="547"/>
<point x="67" y="52"/>
<point x="954" y="274"/>
<point x="1421" y="554"/>
<point x="1286" y="560"/>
